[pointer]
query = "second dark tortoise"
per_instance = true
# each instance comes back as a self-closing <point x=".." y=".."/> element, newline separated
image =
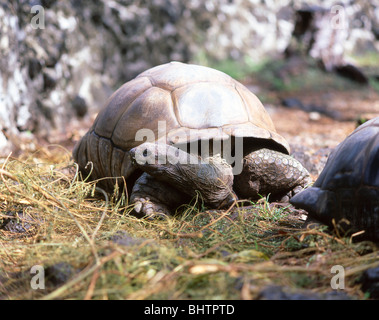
<point x="347" y="191"/>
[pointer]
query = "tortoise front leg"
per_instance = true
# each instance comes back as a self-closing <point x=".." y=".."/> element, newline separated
<point x="152" y="197"/>
<point x="190" y="174"/>
<point x="271" y="172"/>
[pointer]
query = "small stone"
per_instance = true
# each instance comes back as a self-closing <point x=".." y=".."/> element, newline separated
<point x="314" y="116"/>
<point x="80" y="106"/>
<point x="282" y="293"/>
<point x="60" y="273"/>
<point x="49" y="80"/>
<point x="123" y="238"/>
<point x="34" y="67"/>
<point x="17" y="223"/>
<point x="370" y="282"/>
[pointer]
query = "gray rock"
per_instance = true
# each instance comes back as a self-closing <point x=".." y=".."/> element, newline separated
<point x="18" y="223"/>
<point x="282" y="293"/>
<point x="124" y="239"/>
<point x="370" y="282"/>
<point x="90" y="48"/>
<point x="59" y="273"/>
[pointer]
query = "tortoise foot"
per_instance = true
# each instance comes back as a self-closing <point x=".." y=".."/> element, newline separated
<point x="154" y="198"/>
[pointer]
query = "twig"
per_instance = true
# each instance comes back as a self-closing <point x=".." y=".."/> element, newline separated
<point x="103" y="215"/>
<point x="92" y="285"/>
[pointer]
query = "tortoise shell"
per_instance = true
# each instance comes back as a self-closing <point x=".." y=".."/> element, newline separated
<point x="193" y="102"/>
<point x="348" y="187"/>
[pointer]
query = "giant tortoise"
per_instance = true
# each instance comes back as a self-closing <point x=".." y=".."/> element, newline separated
<point x="178" y="130"/>
<point x="346" y="194"/>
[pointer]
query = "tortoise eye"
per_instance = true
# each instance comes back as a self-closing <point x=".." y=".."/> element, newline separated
<point x="145" y="153"/>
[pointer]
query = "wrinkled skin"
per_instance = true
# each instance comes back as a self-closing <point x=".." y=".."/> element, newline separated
<point x="172" y="177"/>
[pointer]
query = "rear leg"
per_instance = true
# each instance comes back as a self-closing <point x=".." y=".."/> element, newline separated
<point x="271" y="172"/>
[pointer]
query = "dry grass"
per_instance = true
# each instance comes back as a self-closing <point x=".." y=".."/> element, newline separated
<point x="199" y="254"/>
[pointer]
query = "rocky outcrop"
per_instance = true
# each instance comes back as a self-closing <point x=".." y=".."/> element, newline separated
<point x="61" y="62"/>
